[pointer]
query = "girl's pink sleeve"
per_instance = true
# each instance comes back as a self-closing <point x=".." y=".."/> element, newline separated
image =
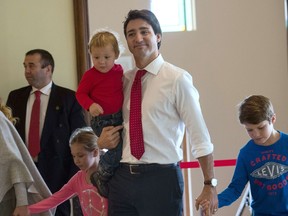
<point x="65" y="193"/>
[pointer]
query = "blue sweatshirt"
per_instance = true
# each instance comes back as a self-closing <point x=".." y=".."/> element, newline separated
<point x="266" y="169"/>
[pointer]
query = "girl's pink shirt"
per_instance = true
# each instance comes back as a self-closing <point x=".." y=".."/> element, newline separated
<point x="91" y="201"/>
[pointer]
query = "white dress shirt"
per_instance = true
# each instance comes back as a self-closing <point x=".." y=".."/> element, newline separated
<point x="170" y="105"/>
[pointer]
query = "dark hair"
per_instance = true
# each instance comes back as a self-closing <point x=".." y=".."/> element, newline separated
<point x="146" y="15"/>
<point x="255" y="109"/>
<point x="46" y="57"/>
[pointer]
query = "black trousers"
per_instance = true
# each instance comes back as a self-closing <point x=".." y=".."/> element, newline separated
<point x="146" y="190"/>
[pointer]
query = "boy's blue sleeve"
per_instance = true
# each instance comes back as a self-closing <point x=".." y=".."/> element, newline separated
<point x="236" y="186"/>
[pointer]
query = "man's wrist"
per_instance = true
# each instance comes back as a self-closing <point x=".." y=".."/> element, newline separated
<point x="212" y="182"/>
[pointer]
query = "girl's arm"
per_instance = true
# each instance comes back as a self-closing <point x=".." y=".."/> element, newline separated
<point x="65" y="193"/>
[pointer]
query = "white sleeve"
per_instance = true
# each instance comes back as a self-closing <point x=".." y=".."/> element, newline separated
<point x="21" y="194"/>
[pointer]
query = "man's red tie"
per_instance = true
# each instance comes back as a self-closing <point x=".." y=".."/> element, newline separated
<point x="34" y="130"/>
<point x="135" y="121"/>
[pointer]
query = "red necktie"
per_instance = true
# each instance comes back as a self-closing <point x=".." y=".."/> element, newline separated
<point x="135" y="121"/>
<point x="34" y="130"/>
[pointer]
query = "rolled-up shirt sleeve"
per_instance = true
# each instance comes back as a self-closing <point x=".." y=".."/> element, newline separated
<point x="188" y="106"/>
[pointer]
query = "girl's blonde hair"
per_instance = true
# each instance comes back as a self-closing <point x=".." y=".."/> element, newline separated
<point x="86" y="137"/>
<point x="7" y="112"/>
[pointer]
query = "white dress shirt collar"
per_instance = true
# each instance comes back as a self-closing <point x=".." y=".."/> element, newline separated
<point x="155" y="65"/>
<point x="45" y="90"/>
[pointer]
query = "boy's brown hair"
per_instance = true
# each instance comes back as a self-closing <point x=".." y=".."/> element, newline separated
<point x="255" y="109"/>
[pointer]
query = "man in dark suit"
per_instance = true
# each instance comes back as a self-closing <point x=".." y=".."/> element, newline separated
<point x="60" y="115"/>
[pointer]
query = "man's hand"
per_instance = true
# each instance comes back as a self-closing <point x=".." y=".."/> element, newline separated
<point x="205" y="208"/>
<point x="110" y="137"/>
<point x="208" y="194"/>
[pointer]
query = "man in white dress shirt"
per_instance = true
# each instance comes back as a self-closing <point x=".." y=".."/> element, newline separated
<point x="153" y="184"/>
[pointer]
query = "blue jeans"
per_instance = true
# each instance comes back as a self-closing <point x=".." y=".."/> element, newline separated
<point x="110" y="160"/>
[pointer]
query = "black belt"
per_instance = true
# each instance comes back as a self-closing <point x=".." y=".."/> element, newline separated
<point x="142" y="168"/>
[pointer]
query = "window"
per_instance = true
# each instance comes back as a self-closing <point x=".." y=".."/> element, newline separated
<point x="286" y="11"/>
<point x="175" y="15"/>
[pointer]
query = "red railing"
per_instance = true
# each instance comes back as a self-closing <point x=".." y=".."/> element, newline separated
<point x="217" y="163"/>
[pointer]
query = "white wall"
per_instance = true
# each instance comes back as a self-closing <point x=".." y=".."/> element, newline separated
<point x="34" y="24"/>
<point x="239" y="49"/>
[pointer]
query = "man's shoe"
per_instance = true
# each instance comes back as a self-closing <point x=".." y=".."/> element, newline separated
<point x="101" y="185"/>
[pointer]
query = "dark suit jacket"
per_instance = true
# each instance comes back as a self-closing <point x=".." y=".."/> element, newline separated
<point x="63" y="116"/>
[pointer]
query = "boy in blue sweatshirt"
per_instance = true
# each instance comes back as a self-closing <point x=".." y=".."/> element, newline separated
<point x="263" y="161"/>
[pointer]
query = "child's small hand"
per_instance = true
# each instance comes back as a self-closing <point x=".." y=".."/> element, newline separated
<point x="95" y="109"/>
<point x="205" y="208"/>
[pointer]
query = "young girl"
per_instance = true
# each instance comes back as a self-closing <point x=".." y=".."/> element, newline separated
<point x="85" y="153"/>
<point x="100" y="92"/>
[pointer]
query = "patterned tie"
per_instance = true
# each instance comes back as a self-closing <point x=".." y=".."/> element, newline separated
<point x="34" y="130"/>
<point x="135" y="121"/>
